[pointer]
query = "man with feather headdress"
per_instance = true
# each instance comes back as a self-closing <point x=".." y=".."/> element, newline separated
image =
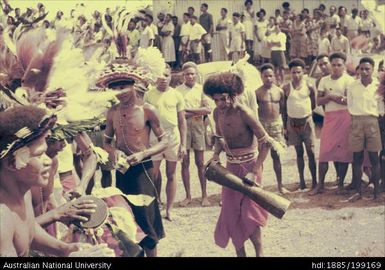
<point x="130" y="123"/>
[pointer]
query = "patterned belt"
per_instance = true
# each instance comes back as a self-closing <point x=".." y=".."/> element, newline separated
<point x="241" y="159"/>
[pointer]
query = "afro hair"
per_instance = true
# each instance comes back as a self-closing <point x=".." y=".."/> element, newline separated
<point x="228" y="83"/>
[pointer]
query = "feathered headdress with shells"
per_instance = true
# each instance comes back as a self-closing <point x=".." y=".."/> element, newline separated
<point x="147" y="65"/>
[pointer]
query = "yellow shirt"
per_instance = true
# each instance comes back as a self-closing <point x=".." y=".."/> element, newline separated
<point x="193" y="97"/>
<point x="134" y="37"/>
<point x="168" y="103"/>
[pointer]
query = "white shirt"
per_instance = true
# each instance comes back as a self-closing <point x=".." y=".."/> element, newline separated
<point x="154" y="29"/>
<point x="333" y="20"/>
<point x="324" y="46"/>
<point x="193" y="97"/>
<point x="363" y="100"/>
<point x="338" y="87"/>
<point x="168" y="103"/>
<point x="367" y="24"/>
<point x="236" y="31"/>
<point x="353" y="24"/>
<point x="299" y="102"/>
<point x="340" y="44"/>
<point x="224" y="23"/>
<point x="185" y="29"/>
<point x="145" y="37"/>
<point x="280" y="37"/>
<point x="197" y="31"/>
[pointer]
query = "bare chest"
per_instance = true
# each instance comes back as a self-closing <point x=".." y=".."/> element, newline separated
<point x="131" y="129"/>
<point x="235" y="131"/>
<point x="24" y="232"/>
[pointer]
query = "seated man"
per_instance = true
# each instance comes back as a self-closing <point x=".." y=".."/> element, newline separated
<point x="24" y="164"/>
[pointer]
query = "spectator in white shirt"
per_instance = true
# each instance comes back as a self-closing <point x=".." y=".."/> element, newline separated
<point x="367" y="24"/>
<point x="195" y="39"/>
<point x="352" y="24"/>
<point x="196" y="107"/>
<point x="184" y="37"/>
<point x="340" y="43"/>
<point x="237" y="38"/>
<point x="277" y="43"/>
<point x="362" y="101"/>
<point x="147" y="36"/>
<point x="324" y="45"/>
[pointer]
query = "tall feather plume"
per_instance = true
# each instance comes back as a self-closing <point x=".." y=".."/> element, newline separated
<point x="10" y="68"/>
<point x="152" y="61"/>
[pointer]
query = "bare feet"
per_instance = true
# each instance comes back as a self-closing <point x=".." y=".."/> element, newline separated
<point x="341" y="191"/>
<point x="315" y="191"/>
<point x="350" y="187"/>
<point x="185" y="202"/>
<point x="205" y="202"/>
<point x="283" y="190"/>
<point x="302" y="185"/>
<point x="168" y="216"/>
<point x="355" y="197"/>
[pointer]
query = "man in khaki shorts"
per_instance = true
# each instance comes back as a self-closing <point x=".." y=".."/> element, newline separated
<point x="196" y="104"/>
<point x="364" y="131"/>
<point x="170" y="104"/>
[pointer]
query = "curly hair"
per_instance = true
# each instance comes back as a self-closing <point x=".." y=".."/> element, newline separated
<point x="228" y="83"/>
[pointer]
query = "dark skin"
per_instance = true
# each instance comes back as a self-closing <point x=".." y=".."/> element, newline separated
<point x="190" y="76"/>
<point x="131" y="124"/>
<point x="238" y="126"/>
<point x="43" y="200"/>
<point x="324" y="97"/>
<point x="325" y="67"/>
<point x="133" y="136"/>
<point x="270" y="99"/>
<point x="298" y="81"/>
<point x="16" y="211"/>
<point x="366" y="72"/>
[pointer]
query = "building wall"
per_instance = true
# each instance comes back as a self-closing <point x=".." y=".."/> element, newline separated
<point x="178" y="7"/>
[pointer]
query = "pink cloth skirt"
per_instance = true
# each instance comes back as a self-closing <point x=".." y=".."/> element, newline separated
<point x="334" y="137"/>
<point x="240" y="216"/>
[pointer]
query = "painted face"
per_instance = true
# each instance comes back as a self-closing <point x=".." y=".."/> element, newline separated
<point x="268" y="77"/>
<point x="296" y="73"/>
<point x="222" y="101"/>
<point x="163" y="82"/>
<point x="338" y="66"/>
<point x="324" y="65"/>
<point x="366" y="70"/>
<point x="36" y="172"/>
<point x="125" y="92"/>
<point x="190" y="76"/>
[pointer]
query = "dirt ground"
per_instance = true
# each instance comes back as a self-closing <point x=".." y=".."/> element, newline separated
<point x="318" y="226"/>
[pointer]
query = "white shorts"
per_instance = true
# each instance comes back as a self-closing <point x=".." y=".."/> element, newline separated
<point x="171" y="153"/>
